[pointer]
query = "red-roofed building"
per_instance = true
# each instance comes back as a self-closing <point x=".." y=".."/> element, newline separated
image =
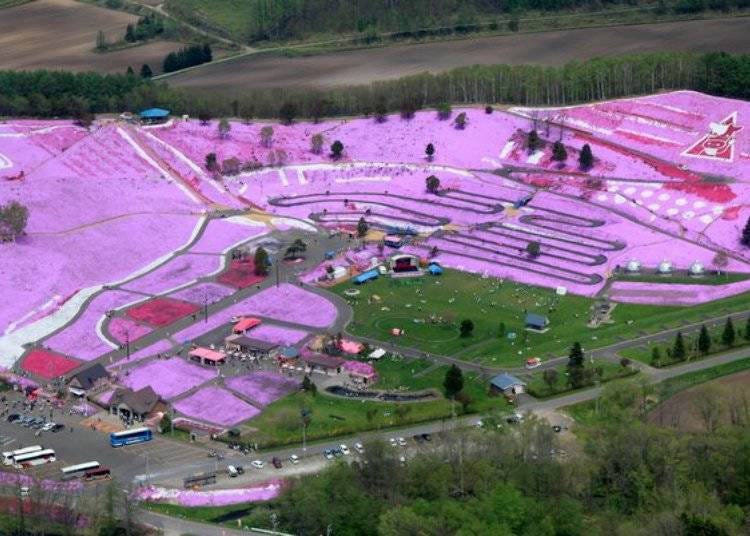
<point x="246" y="324"/>
<point x="206" y="356"/>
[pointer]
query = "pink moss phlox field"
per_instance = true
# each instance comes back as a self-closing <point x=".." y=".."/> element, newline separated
<point x="123" y="329"/>
<point x="137" y="354"/>
<point x="358" y="367"/>
<point x="177" y="272"/>
<point x="168" y="377"/>
<point x="15" y="379"/>
<point x="292" y="304"/>
<point x="14" y="479"/>
<point x="263" y="491"/>
<point x="221" y="234"/>
<point x="674" y="294"/>
<point x="263" y="387"/>
<point x="202" y="292"/>
<point x="277" y="334"/>
<point x="216" y="405"/>
<point x="81" y="339"/>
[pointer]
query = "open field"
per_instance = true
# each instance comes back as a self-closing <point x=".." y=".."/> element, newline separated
<point x="552" y="48"/>
<point x="61" y="34"/>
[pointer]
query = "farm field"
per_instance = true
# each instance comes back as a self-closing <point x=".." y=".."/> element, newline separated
<point x="61" y="34"/>
<point x="552" y="48"/>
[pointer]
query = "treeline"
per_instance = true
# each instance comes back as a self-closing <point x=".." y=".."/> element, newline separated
<point x="187" y="57"/>
<point x="273" y="20"/>
<point x="622" y="475"/>
<point x="47" y="94"/>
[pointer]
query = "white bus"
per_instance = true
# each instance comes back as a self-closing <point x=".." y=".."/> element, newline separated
<point x="77" y="471"/>
<point x="9" y="457"/>
<point x="35" y="458"/>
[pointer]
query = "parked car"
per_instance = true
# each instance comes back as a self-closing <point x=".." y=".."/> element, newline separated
<point x="344" y="449"/>
<point x="232" y="471"/>
<point x="337" y="452"/>
<point x="240" y="469"/>
<point x="258" y="464"/>
<point x="276" y="462"/>
<point x="393" y="442"/>
<point x="48" y="426"/>
<point x="13" y="417"/>
<point x="328" y="454"/>
<point x="359" y="448"/>
<point x="402" y="441"/>
<point x="427" y="437"/>
<point x="515" y="418"/>
<point x="533" y="363"/>
<point x="294" y="459"/>
<point x="402" y="460"/>
<point x="57" y="428"/>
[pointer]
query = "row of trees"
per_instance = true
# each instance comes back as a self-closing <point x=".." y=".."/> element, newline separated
<point x="146" y="28"/>
<point x="258" y="20"/>
<point x="703" y="344"/>
<point x="189" y="56"/>
<point x="601" y="78"/>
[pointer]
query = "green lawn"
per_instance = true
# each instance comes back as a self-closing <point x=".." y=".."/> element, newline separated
<point x="280" y="423"/>
<point x="644" y="353"/>
<point x="430" y="313"/>
<point x="538" y="388"/>
<point x="250" y="515"/>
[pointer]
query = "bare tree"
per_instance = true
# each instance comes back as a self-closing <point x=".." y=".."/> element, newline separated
<point x="708" y="402"/>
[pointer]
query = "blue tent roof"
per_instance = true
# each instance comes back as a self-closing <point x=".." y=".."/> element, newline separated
<point x="289" y="352"/>
<point x="505" y="381"/>
<point x="534" y="319"/>
<point x="154" y="113"/>
<point x="366" y="276"/>
<point x="435" y="269"/>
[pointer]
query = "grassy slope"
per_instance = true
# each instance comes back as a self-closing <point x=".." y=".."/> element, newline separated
<point x="504" y="303"/>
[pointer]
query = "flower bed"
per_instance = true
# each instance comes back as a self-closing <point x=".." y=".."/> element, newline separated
<point x="217" y="406"/>
<point x="240" y="274"/>
<point x="292" y="304"/>
<point x="277" y="334"/>
<point x="202" y="293"/>
<point x="179" y="271"/>
<point x="674" y="294"/>
<point x="263" y="387"/>
<point x="160" y="312"/>
<point x="124" y="329"/>
<point x="48" y="365"/>
<point x="264" y="491"/>
<point x="158" y="347"/>
<point x="168" y="377"/>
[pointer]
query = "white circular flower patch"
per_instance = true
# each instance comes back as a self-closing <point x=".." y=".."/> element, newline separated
<point x="629" y="191"/>
<point x="717" y="210"/>
<point x="681" y="202"/>
<point x="706" y="219"/>
<point x="647" y="193"/>
<point x="654" y="206"/>
<point x="688" y="215"/>
<point x="619" y="200"/>
<point x="602" y="197"/>
<point x="672" y="211"/>
<point x="663" y="197"/>
<point x="699" y="204"/>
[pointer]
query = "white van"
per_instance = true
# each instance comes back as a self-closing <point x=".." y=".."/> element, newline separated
<point x="232" y="471"/>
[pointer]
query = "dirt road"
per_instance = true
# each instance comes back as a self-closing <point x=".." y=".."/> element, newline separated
<point x="551" y="48"/>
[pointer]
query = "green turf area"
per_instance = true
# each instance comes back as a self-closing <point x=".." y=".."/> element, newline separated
<point x="537" y="387"/>
<point x="439" y="304"/>
<point x="280" y="424"/>
<point x="250" y="515"/>
<point x="723" y="279"/>
<point x="644" y="354"/>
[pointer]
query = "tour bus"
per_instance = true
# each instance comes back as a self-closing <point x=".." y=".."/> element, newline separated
<point x="100" y="473"/>
<point x="8" y="457"/>
<point x="35" y="458"/>
<point x="77" y="471"/>
<point x="130" y="437"/>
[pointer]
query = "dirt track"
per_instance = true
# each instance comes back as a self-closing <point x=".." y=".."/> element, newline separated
<point x="552" y="48"/>
<point x="61" y="34"/>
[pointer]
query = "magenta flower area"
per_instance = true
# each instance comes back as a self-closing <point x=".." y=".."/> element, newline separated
<point x="158" y="347"/>
<point x="262" y="491"/>
<point x="216" y="405"/>
<point x="161" y="312"/>
<point x="278" y="334"/>
<point x="122" y="328"/>
<point x="263" y="387"/>
<point x="48" y="365"/>
<point x="169" y="378"/>
<point x="292" y="304"/>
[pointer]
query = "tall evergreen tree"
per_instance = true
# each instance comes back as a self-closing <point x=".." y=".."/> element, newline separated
<point x="704" y="341"/>
<point x="729" y="335"/>
<point x="130" y="34"/>
<point x="559" y="153"/>
<point x="575" y="357"/>
<point x="745" y="240"/>
<point x="146" y="71"/>
<point x="260" y="261"/>
<point x="586" y="158"/>
<point x="747" y="329"/>
<point x="362" y="227"/>
<point x="678" y="350"/>
<point x="453" y="382"/>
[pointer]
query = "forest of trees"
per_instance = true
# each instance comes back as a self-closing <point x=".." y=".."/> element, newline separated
<point x="258" y="20"/>
<point x="624" y="476"/>
<point x="49" y="94"/>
